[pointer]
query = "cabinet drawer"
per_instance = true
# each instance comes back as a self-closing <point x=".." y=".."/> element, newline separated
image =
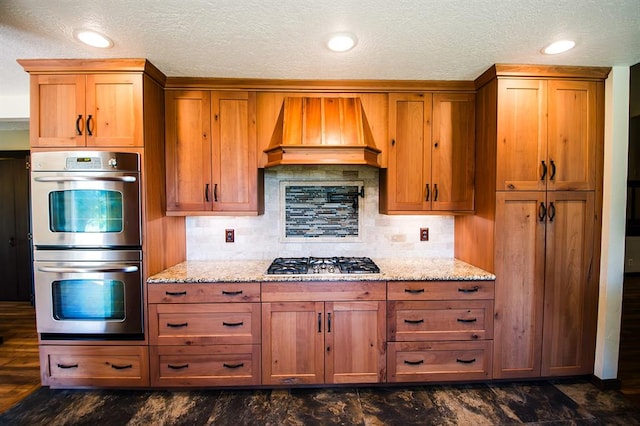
<point x="81" y="366"/>
<point x="204" y="323"/>
<point x="440" y="290"/>
<point x="440" y="320"/>
<point x="216" y="365"/>
<point x="437" y="361"/>
<point x="204" y="293"/>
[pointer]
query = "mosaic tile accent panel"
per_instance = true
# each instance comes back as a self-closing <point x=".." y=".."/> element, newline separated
<point x="322" y="210"/>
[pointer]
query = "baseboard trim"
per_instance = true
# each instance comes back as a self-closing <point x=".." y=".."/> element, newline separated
<point x="606" y="384"/>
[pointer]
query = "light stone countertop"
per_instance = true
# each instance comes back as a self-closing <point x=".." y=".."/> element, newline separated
<point x="210" y="271"/>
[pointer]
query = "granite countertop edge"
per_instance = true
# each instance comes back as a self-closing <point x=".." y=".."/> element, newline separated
<point x="212" y="271"/>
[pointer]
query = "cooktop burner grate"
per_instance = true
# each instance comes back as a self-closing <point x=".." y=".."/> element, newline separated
<point x="322" y="265"/>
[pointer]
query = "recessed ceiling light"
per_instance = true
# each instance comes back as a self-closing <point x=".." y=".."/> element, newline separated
<point x="93" y="38"/>
<point x="559" y="47"/>
<point x="341" y="42"/>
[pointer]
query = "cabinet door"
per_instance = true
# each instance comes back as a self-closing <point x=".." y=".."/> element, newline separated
<point x="522" y="135"/>
<point x="188" y="150"/>
<point x="408" y="185"/>
<point x="57" y="111"/>
<point x="572" y="135"/>
<point x="114" y="110"/>
<point x="570" y="308"/>
<point x="519" y="288"/>
<point x="235" y="168"/>
<point x="293" y="343"/>
<point x="452" y="158"/>
<point x="355" y="342"/>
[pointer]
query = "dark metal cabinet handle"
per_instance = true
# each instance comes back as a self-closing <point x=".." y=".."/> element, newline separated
<point x="78" y="121"/>
<point x="65" y="366"/>
<point x="175" y="293"/>
<point x="121" y="367"/>
<point x="319" y="322"/>
<point x="225" y="365"/>
<point x="466" y="361"/>
<point x="232" y="293"/>
<point x="329" y="322"/>
<point x="178" y="367"/>
<point x="206" y="193"/>
<point x="467" y="320"/>
<point x="426" y="192"/>
<point x="173" y="325"/>
<point x="414" y="362"/>
<point x="473" y="289"/>
<point x="542" y="212"/>
<point x="544" y="171"/>
<point x="552" y="212"/>
<point x="408" y="290"/>
<point x="553" y="170"/>
<point x="414" y="321"/>
<point x="12" y="241"/>
<point x="393" y="142"/>
<point x="215" y="192"/>
<point x="232" y="324"/>
<point x="89" y="131"/>
<point x="435" y="192"/>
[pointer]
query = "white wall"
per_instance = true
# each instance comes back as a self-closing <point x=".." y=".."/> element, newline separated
<point x="14" y="107"/>
<point x="613" y="222"/>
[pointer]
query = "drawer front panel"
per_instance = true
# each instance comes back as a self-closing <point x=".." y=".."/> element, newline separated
<point x="198" y="324"/>
<point x="440" y="290"/>
<point x="204" y="293"/>
<point x="436" y="361"/>
<point x="217" y="365"/>
<point x="71" y="366"/>
<point x="441" y="320"/>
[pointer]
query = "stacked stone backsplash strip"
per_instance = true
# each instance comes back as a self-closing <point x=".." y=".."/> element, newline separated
<point x="264" y="237"/>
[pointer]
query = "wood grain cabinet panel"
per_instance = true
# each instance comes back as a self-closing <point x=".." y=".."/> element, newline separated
<point x="211" y="153"/>
<point x="430" y="154"/>
<point x="104" y="366"/>
<point x="92" y="110"/>
<point x="207" y="292"/>
<point x="440" y="290"/>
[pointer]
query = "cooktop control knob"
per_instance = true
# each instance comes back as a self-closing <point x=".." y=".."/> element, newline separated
<point x="113" y="162"/>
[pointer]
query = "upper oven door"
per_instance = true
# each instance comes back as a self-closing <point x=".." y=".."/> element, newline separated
<point x="86" y="209"/>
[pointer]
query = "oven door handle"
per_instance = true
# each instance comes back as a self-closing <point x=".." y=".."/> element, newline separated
<point x="85" y="269"/>
<point x="85" y="178"/>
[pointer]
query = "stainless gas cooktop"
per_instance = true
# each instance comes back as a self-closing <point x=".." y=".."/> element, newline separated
<point x="322" y="265"/>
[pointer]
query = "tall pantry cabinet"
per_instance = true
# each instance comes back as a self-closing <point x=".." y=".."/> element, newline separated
<point x="537" y="223"/>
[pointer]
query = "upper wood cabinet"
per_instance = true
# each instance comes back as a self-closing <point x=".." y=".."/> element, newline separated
<point x="211" y="153"/>
<point x="430" y="154"/>
<point x="547" y="133"/>
<point x="93" y="110"/>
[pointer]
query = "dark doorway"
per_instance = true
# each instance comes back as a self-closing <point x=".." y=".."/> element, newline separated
<point x="15" y="241"/>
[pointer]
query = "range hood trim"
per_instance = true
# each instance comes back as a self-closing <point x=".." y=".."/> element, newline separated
<point x="303" y="116"/>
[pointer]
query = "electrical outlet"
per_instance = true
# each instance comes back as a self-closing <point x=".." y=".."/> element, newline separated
<point x="424" y="234"/>
<point x="229" y="235"/>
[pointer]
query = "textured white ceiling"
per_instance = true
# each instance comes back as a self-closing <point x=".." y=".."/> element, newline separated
<point x="398" y="39"/>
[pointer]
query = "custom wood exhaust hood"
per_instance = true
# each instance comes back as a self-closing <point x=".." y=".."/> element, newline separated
<point x="322" y="131"/>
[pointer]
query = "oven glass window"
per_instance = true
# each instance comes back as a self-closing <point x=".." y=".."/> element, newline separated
<point x="91" y="300"/>
<point x="83" y="210"/>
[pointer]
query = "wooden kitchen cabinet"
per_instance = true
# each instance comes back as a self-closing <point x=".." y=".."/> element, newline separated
<point x="204" y="334"/>
<point x="547" y="134"/>
<point x="211" y="153"/>
<point x="439" y="330"/>
<point x="91" y="366"/>
<point x="92" y="110"/>
<point x="430" y="154"/>
<point x="308" y="341"/>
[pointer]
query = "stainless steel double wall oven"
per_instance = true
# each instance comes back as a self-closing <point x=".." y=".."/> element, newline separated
<point x="87" y="221"/>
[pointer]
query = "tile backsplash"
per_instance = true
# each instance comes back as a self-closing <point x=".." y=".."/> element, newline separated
<point x="265" y="236"/>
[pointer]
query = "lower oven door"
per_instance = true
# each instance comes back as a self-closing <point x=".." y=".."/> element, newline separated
<point x="89" y="294"/>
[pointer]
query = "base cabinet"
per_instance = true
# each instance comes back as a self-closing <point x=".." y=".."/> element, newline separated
<point x="317" y="342"/>
<point x="94" y="366"/>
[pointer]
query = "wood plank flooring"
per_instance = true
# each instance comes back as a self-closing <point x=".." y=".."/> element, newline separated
<point x="629" y="359"/>
<point x="19" y="362"/>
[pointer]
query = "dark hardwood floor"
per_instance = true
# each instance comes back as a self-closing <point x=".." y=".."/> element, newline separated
<point x="19" y="363"/>
<point x="629" y="359"/>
